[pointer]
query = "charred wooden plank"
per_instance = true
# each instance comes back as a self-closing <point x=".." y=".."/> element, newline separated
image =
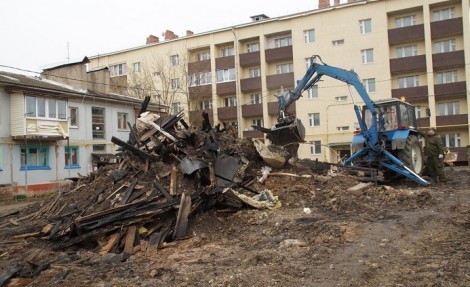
<point x="127" y="193"/>
<point x="157" y="239"/>
<point x="133" y="149"/>
<point x="112" y="241"/>
<point x="182" y="218"/>
<point x="144" y="106"/>
<point x="129" y="245"/>
<point x="163" y="190"/>
<point x="8" y="274"/>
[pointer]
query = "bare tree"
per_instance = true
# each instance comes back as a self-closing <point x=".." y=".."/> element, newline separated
<point x="164" y="78"/>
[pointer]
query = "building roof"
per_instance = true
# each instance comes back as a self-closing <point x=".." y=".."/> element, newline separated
<point x="20" y="81"/>
<point x="30" y="83"/>
<point x="69" y="62"/>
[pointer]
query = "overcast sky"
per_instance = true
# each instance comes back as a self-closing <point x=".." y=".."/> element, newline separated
<point x="38" y="33"/>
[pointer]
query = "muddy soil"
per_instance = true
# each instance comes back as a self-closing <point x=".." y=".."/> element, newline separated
<point x="323" y="235"/>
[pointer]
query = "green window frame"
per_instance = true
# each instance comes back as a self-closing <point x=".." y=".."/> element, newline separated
<point x="71" y="157"/>
<point x="37" y="158"/>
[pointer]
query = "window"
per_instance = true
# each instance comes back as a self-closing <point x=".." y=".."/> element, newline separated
<point x="341" y="98"/>
<point x="314" y="119"/>
<point x="118" y="70"/>
<point x="443" y="14"/>
<point x="309" y="36"/>
<point x="407" y="51"/>
<point x="337" y="42"/>
<point x="175" y="84"/>
<point x="449" y="109"/>
<point x="405" y="21"/>
<point x="226" y="75"/>
<point x="418" y="112"/>
<point x="313" y="92"/>
<point x="315" y="147"/>
<point x="451" y="140"/>
<point x="203" y="56"/>
<point x="369" y="85"/>
<point x="255" y="72"/>
<point x="230" y="102"/>
<point x="205" y="105"/>
<point x="444" y="46"/>
<point x="71" y="157"/>
<point x="137" y="67"/>
<point x="97" y="122"/>
<point x="45" y="108"/>
<point x="446" y="77"/>
<point x="174" y="60"/>
<point x="257" y="122"/>
<point x="122" y="121"/>
<point x="199" y="79"/>
<point x="408" y="82"/>
<point x="225" y="52"/>
<point x="284" y="68"/>
<point x="99" y="147"/>
<point x="36" y="158"/>
<point x="73" y="117"/>
<point x="367" y="56"/>
<point x="256" y="99"/>
<point x="252" y="47"/>
<point x="30" y="108"/>
<point x="365" y="26"/>
<point x="343" y="128"/>
<point x="176" y="107"/>
<point x="283" y="42"/>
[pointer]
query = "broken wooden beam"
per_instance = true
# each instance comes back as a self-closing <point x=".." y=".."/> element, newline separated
<point x="129" y="243"/>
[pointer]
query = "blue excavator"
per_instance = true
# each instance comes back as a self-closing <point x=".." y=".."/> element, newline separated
<point x="387" y="140"/>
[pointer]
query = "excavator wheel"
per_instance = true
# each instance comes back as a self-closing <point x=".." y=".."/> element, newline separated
<point x="412" y="155"/>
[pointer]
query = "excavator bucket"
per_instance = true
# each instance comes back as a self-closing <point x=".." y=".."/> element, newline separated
<point x="287" y="134"/>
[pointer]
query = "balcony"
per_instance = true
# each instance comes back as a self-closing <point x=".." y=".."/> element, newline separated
<point x="273" y="109"/>
<point x="406" y="34"/>
<point x="40" y="129"/>
<point x="200" y="91"/>
<point x="448" y="60"/>
<point x="225" y="63"/>
<point x="250" y="85"/>
<point x="446" y="28"/>
<point x="252" y="110"/>
<point x="447" y="122"/>
<point x="411" y="94"/>
<point x="227" y="113"/>
<point x="279" y="54"/>
<point x="450" y="90"/>
<point x="280" y="80"/>
<point x="408" y="64"/>
<point x="250" y="59"/>
<point x="452" y="120"/>
<point x="199" y="67"/>
<point x="226" y="88"/>
<point x="253" y="134"/>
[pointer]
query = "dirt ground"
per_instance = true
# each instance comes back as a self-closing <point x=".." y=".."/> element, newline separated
<point x="323" y="235"/>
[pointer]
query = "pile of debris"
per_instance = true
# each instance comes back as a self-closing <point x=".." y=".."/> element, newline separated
<point x="167" y="173"/>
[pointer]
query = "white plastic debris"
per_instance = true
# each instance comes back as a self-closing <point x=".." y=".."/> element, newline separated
<point x="265" y="170"/>
<point x="307" y="210"/>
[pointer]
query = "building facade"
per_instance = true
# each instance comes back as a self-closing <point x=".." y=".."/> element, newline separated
<point x="51" y="131"/>
<point x="411" y="49"/>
